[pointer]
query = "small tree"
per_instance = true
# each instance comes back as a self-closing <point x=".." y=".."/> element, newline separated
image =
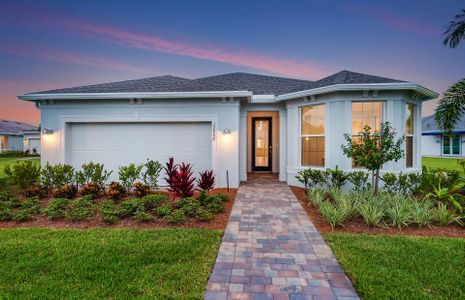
<point x="371" y="149"/>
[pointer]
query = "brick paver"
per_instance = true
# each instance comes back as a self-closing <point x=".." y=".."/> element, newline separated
<point x="271" y="250"/>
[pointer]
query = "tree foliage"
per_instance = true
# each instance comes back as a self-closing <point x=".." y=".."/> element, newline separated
<point x="455" y="31"/>
<point x="451" y="107"/>
<point x="371" y="150"/>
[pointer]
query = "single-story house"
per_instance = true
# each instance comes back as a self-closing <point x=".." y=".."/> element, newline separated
<point x="435" y="143"/>
<point x="231" y="123"/>
<point x="12" y="135"/>
<point x="31" y="141"/>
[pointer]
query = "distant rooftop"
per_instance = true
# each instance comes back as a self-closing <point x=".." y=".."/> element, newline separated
<point x="14" y="128"/>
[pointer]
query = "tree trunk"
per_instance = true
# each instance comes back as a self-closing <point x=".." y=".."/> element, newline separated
<point x="377" y="181"/>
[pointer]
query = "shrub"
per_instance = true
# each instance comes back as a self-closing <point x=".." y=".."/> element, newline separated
<point x="28" y="209"/>
<point x="23" y="174"/>
<point x="390" y="182"/>
<point x="7" y="204"/>
<point x="311" y="177"/>
<point x="203" y="215"/>
<point x="128" y="175"/>
<point x="433" y="177"/>
<point x="143" y="216"/>
<point x="371" y="209"/>
<point x="132" y="205"/>
<point x="80" y="209"/>
<point x="335" y="178"/>
<point x="151" y="173"/>
<point x="444" y="216"/>
<point x="58" y="175"/>
<point x="315" y="196"/>
<point x="56" y="208"/>
<point x="203" y="198"/>
<point x="153" y="200"/>
<point x="182" y="182"/>
<point x="334" y="215"/>
<point x="206" y="181"/>
<point x="66" y="191"/>
<point x="141" y="189"/>
<point x="177" y="216"/>
<point x="162" y="210"/>
<point x="115" y="191"/>
<point x="93" y="173"/>
<point x="399" y="210"/>
<point x="90" y="189"/>
<point x="170" y="169"/>
<point x="189" y="205"/>
<point x="110" y="212"/>
<point x="215" y="205"/>
<point x="36" y="190"/>
<point x="359" y="180"/>
<point x="422" y="213"/>
<point x="222" y="197"/>
<point x="449" y="196"/>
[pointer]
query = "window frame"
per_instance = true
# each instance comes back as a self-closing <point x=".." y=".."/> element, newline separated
<point x="302" y="136"/>
<point x="451" y="143"/>
<point x="383" y="114"/>
<point x="410" y="135"/>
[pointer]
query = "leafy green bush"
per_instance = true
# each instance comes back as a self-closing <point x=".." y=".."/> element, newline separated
<point x="433" y="177"/>
<point x="80" y="209"/>
<point x="56" y="208"/>
<point x="132" y="205"/>
<point x="189" y="205"/>
<point x="315" y="196"/>
<point x="371" y="209"/>
<point x="93" y="173"/>
<point x="154" y="199"/>
<point x="390" y="182"/>
<point x="116" y="191"/>
<point x="222" y="197"/>
<point x="151" y="173"/>
<point x="448" y="196"/>
<point x="162" y="210"/>
<point x="7" y="206"/>
<point x="23" y="174"/>
<point x="311" y="178"/>
<point x="444" y="216"/>
<point x="143" y="216"/>
<point x="90" y="189"/>
<point x="359" y="180"/>
<point x="110" y="212"/>
<point x="399" y="210"/>
<point x="140" y="189"/>
<point x="128" y="175"/>
<point x="177" y="216"/>
<point x="422" y="213"/>
<point x="28" y="209"/>
<point x="203" y="215"/>
<point x="335" y="178"/>
<point x="335" y="215"/>
<point x="67" y="191"/>
<point x="57" y="176"/>
<point x="215" y="206"/>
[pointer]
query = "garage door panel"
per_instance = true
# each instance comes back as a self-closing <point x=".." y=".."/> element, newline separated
<point x="117" y="144"/>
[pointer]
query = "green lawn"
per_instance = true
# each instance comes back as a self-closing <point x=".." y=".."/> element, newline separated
<point x="440" y="162"/>
<point x="12" y="160"/>
<point x="106" y="263"/>
<point x="401" y="267"/>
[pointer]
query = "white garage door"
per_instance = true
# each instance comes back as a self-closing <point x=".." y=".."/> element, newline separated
<point x="118" y="144"/>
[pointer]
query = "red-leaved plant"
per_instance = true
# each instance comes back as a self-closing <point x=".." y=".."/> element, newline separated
<point x="206" y="182"/>
<point x="180" y="179"/>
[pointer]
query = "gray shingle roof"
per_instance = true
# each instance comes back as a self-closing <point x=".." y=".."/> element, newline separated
<point x="12" y="127"/>
<point x="428" y="125"/>
<point x="256" y="83"/>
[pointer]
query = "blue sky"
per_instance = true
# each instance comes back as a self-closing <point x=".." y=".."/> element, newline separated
<point x="51" y="44"/>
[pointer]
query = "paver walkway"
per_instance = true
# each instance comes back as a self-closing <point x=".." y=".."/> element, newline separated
<point x="271" y="250"/>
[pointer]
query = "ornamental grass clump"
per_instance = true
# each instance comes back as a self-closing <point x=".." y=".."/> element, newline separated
<point x="371" y="208"/>
<point x="422" y="213"/>
<point x="399" y="210"/>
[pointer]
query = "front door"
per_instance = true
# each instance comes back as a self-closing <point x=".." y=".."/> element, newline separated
<point x="261" y="144"/>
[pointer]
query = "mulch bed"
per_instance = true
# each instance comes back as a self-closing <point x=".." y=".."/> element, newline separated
<point x="357" y="225"/>
<point x="219" y="221"/>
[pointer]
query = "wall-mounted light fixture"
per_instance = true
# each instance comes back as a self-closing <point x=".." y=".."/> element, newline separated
<point x="226" y="131"/>
<point x="47" y="131"/>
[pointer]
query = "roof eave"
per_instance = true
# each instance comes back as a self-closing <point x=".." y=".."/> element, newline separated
<point x="429" y="94"/>
<point x="103" y="96"/>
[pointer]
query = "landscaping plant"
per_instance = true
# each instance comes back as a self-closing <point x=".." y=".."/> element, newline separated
<point x="206" y="181"/>
<point x="110" y="212"/>
<point x="311" y="178"/>
<point x="56" y="208"/>
<point x="371" y="209"/>
<point x="93" y="173"/>
<point x="359" y="180"/>
<point x="115" y="191"/>
<point x="335" y="178"/>
<point x="372" y="149"/>
<point x="23" y="174"/>
<point x="80" y="209"/>
<point x="151" y="173"/>
<point x="182" y="181"/>
<point x="128" y="175"/>
<point x="444" y="216"/>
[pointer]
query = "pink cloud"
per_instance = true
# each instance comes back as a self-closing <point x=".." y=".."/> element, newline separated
<point x="74" y="58"/>
<point x="400" y="23"/>
<point x="17" y="87"/>
<point x="247" y="58"/>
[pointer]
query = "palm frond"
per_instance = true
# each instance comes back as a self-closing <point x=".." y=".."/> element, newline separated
<point x="451" y="107"/>
<point x="455" y="31"/>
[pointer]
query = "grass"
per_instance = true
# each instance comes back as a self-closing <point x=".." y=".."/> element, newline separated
<point x="401" y="267"/>
<point x="440" y="162"/>
<point x="12" y="160"/>
<point x="106" y="263"/>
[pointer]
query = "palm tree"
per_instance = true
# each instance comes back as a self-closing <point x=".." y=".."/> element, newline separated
<point x="456" y="31"/>
<point x="451" y="107"/>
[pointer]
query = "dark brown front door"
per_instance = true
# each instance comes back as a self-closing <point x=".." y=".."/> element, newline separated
<point x="261" y="144"/>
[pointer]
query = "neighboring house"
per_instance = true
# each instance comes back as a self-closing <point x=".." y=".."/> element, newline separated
<point x="11" y="135"/>
<point x="32" y="141"/>
<point x="435" y="143"/>
<point x="232" y="123"/>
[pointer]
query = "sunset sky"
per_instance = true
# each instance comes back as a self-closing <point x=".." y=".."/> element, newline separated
<point x="53" y="44"/>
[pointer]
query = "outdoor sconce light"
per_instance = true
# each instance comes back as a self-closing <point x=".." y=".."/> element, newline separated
<point x="226" y="131"/>
<point x="47" y="131"/>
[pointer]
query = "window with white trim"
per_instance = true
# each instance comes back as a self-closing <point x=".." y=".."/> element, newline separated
<point x="409" y="130"/>
<point x="312" y="135"/>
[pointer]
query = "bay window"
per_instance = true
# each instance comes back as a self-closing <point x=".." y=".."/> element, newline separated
<point x="313" y="135"/>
